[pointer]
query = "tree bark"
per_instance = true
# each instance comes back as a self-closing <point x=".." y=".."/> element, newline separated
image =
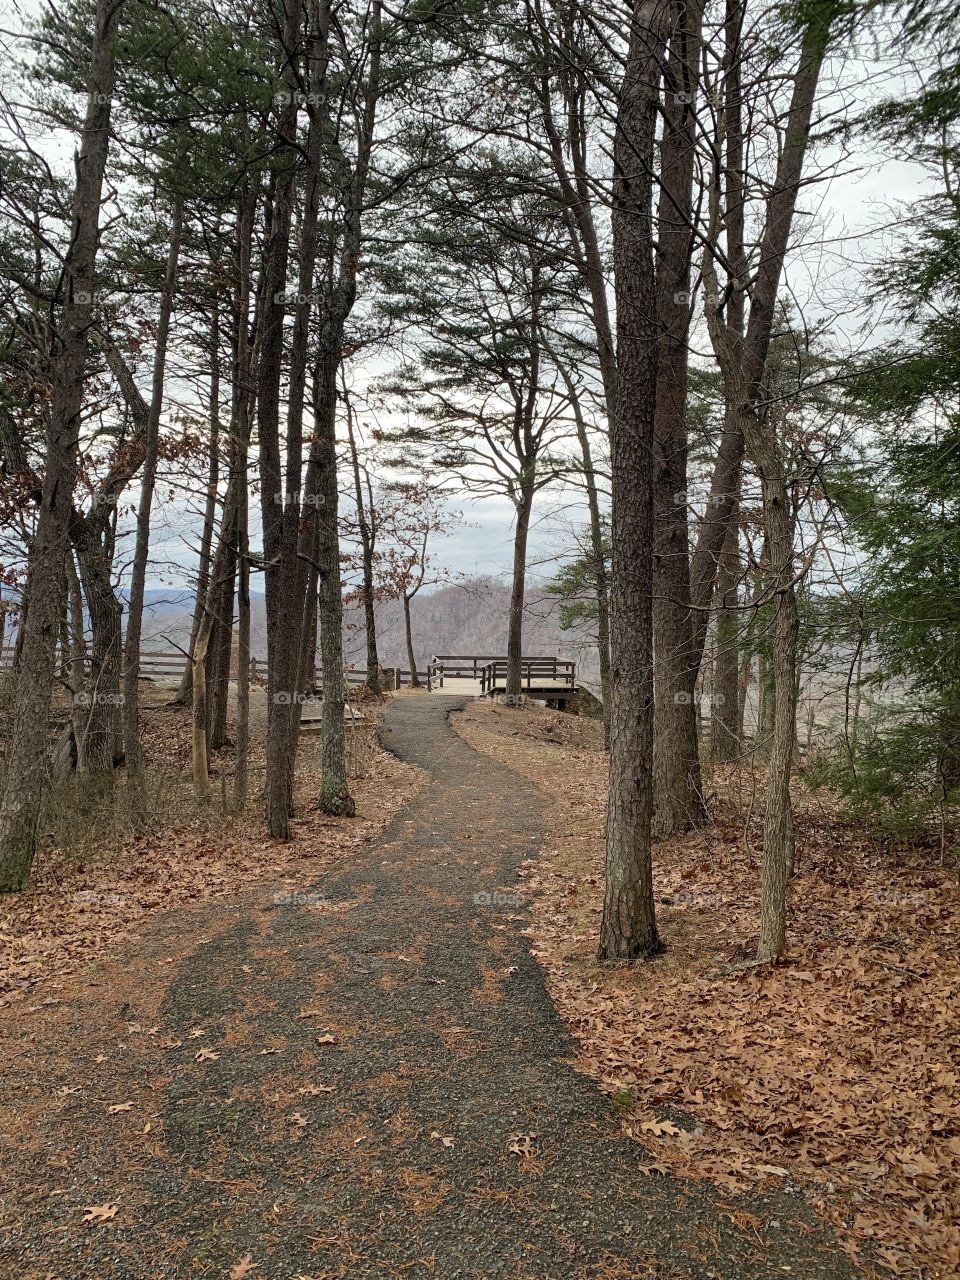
<point x="221" y="644"/>
<point x="524" y="509"/>
<point x="678" y="790"/>
<point x="367" y="536"/>
<point x="725" y="698"/>
<point x="132" y="747"/>
<point x="99" y="697"/>
<point x="628" y="928"/>
<point x="335" y="797"/>
<point x="27" y="752"/>
<point x="408" y="633"/>
<point x="184" y="693"/>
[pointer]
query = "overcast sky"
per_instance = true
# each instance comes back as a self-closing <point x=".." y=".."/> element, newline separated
<point x="845" y="221"/>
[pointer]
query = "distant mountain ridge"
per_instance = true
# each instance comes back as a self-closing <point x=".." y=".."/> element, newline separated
<point x="467" y="617"/>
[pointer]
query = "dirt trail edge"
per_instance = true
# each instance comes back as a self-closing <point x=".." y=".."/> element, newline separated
<point x="382" y="1090"/>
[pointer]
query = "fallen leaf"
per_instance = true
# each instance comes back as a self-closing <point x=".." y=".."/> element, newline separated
<point x="522" y="1144"/>
<point x="120" y="1106"/>
<point x="240" y="1270"/>
<point x="326" y="1039"/>
<point x="98" y="1213"/>
<point x="660" y="1128"/>
<point x="206" y="1055"/>
<point x="447" y="1142"/>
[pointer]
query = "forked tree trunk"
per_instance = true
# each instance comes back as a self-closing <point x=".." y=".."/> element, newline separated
<point x="99" y="697"/>
<point x="27" y="749"/>
<point x="285" y="574"/>
<point x="628" y="928"/>
<point x="759" y="433"/>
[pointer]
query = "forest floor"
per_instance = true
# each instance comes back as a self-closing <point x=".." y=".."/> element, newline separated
<point x="97" y="881"/>
<point x="834" y="1074"/>
<point x="360" y="1076"/>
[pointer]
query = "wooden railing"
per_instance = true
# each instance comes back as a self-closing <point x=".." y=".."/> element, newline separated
<point x="561" y="672"/>
<point x="169" y="665"/>
<point x="458" y="666"/>
<point x="488" y="667"/>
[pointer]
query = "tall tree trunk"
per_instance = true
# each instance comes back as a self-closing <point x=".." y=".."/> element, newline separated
<point x="242" y="742"/>
<point x="185" y="690"/>
<point x="778" y="833"/>
<point x="100" y="695"/>
<point x="759" y="434"/>
<point x="221" y="649"/>
<point x="285" y="574"/>
<point x="628" y="928"/>
<point x="727" y="335"/>
<point x="678" y="790"/>
<point x="27" y="752"/>
<point x="724" y="702"/>
<point x="524" y="510"/>
<point x="335" y="795"/>
<point x="598" y="552"/>
<point x="408" y="634"/>
<point x="244" y="361"/>
<point x="367" y="536"/>
<point x="132" y="747"/>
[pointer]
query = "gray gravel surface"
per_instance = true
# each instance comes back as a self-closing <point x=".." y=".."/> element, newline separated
<point x="446" y="1053"/>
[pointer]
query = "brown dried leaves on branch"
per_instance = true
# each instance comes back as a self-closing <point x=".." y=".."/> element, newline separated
<point x="838" y="1071"/>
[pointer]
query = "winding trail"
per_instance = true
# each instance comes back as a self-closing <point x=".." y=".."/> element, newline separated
<point x="446" y="1052"/>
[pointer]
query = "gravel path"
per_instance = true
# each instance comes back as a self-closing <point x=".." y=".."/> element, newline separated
<point x="456" y="1141"/>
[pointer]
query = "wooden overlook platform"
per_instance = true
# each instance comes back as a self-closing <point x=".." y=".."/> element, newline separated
<point x="546" y="678"/>
<point x="476" y="675"/>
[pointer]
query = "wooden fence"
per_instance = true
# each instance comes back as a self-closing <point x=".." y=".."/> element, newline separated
<point x="158" y="664"/>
